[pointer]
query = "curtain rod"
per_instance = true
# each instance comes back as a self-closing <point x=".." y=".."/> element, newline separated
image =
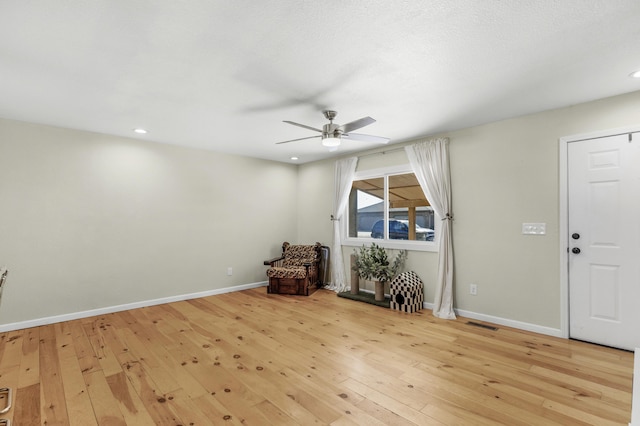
<point x="382" y="152"/>
<point x="400" y="148"/>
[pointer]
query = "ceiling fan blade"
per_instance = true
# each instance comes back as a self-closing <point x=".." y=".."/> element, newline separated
<point x="365" y="121"/>
<point x="300" y="139"/>
<point x="302" y="125"/>
<point x="365" y="138"/>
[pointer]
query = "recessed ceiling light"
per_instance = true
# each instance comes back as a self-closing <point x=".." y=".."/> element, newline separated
<point x="140" y="131"/>
<point x="635" y="74"/>
<point x="294" y="158"/>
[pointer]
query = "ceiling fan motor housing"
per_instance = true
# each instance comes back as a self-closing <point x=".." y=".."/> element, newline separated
<point x="331" y="131"/>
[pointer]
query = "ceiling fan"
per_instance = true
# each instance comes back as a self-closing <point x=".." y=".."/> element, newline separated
<point x="332" y="134"/>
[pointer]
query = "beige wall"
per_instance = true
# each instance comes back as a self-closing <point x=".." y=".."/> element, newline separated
<point x="90" y="221"/>
<point x="503" y="174"/>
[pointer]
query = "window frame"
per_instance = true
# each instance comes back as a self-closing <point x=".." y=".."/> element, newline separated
<point x="385" y="172"/>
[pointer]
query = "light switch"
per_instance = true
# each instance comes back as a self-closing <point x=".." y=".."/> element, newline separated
<point x="534" y="228"/>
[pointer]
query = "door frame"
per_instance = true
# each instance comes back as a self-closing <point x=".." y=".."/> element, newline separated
<point x="563" y="228"/>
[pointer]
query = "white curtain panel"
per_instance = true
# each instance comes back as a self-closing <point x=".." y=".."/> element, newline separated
<point x="345" y="171"/>
<point x="430" y="163"/>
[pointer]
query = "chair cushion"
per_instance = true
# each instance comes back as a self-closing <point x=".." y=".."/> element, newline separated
<point x="298" y="255"/>
<point x="288" y="272"/>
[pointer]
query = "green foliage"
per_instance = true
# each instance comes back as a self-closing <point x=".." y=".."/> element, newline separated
<point x="372" y="263"/>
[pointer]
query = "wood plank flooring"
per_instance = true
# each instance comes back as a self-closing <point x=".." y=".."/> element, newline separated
<point x="249" y="358"/>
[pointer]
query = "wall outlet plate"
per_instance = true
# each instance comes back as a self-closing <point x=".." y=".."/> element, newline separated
<point x="534" y="228"/>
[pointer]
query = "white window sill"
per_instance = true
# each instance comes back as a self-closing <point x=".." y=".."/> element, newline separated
<point x="432" y="246"/>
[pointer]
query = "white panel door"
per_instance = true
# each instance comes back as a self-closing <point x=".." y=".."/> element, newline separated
<point x="604" y="240"/>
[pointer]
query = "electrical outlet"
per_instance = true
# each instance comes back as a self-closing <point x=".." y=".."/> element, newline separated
<point x="229" y="271"/>
<point x="473" y="289"/>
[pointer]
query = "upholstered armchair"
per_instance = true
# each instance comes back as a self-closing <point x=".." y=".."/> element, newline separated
<point x="296" y="271"/>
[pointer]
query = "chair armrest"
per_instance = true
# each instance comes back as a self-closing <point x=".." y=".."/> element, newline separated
<point x="270" y="262"/>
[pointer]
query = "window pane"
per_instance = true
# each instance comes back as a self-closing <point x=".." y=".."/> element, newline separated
<point x="410" y="215"/>
<point x="366" y="207"/>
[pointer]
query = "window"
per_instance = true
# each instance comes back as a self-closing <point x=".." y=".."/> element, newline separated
<point x="388" y="207"/>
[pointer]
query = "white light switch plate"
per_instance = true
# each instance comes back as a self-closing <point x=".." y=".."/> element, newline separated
<point x="534" y="228"/>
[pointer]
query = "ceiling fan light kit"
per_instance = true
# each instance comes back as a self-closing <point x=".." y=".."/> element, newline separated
<point x="330" y="141"/>
<point x="332" y="134"/>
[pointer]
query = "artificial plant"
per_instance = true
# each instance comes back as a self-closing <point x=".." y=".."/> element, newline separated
<point x="373" y="263"/>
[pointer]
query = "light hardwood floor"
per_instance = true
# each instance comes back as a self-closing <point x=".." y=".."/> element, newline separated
<point x="255" y="359"/>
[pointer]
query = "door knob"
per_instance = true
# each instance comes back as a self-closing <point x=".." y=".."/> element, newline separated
<point x="575" y="250"/>
<point x="575" y="236"/>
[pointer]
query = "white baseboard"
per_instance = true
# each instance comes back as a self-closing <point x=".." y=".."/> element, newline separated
<point x="110" y="309"/>
<point x="555" y="332"/>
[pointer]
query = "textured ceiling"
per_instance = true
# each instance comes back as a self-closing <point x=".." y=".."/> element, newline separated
<point x="222" y="75"/>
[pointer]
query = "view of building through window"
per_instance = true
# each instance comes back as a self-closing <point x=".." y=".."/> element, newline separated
<point x="391" y="207"/>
